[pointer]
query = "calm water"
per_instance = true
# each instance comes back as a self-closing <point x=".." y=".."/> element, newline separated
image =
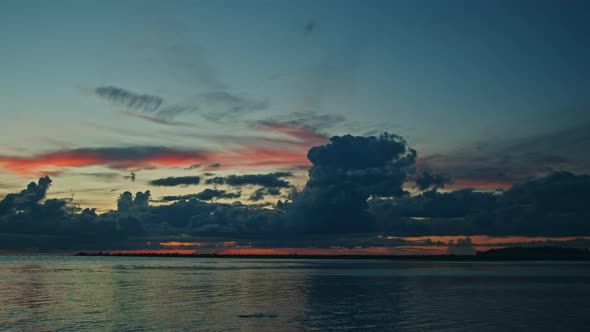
<point x="65" y="293"/>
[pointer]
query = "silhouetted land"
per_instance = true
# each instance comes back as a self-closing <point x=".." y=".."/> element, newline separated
<point x="505" y="254"/>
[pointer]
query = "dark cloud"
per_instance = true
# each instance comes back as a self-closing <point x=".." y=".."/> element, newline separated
<point x="461" y="247"/>
<point x="144" y="106"/>
<point x="553" y="205"/>
<point x="345" y="173"/>
<point x="129" y="99"/>
<point x="27" y="200"/>
<point x="427" y="180"/>
<point x="127" y="202"/>
<point x="356" y="186"/>
<point x="260" y="193"/>
<point x="271" y="180"/>
<point x="556" y="193"/>
<point x="214" y="165"/>
<point x="205" y="195"/>
<point x="193" y="166"/>
<point x="176" y="181"/>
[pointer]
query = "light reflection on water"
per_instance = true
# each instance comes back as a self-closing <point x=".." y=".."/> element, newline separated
<point x="60" y="292"/>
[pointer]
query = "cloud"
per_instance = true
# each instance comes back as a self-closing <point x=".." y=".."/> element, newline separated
<point x="153" y="119"/>
<point x="175" y="49"/>
<point x="114" y="157"/>
<point x="355" y="193"/>
<point x="344" y="174"/>
<point x="461" y="247"/>
<point x="127" y="202"/>
<point x="261" y="193"/>
<point x="150" y="156"/>
<point x="548" y="206"/>
<point x="193" y="166"/>
<point x="558" y="192"/>
<point x="129" y="99"/>
<point x="499" y="163"/>
<point x="144" y="106"/>
<point x="205" y="195"/>
<point x="305" y="135"/>
<point x="271" y="180"/>
<point x="176" y="181"/>
<point x="305" y="127"/>
<point x="224" y="104"/>
<point x="27" y="199"/>
<point x="427" y="180"/>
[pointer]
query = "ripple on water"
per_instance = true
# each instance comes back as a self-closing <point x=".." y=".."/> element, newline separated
<point x="57" y="292"/>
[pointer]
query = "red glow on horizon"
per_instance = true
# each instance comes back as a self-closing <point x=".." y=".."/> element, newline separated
<point x="152" y="251"/>
<point x="180" y="244"/>
<point x="400" y="250"/>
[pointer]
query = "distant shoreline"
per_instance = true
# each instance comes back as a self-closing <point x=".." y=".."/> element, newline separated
<point x="505" y="254"/>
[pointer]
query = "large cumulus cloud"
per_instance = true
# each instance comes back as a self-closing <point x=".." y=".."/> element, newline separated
<point x="345" y="173"/>
<point x="553" y="205"/>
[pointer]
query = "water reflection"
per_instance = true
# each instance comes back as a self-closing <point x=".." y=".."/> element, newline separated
<point x="51" y="292"/>
<point x="451" y="297"/>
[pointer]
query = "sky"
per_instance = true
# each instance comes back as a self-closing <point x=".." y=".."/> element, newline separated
<point x="181" y="97"/>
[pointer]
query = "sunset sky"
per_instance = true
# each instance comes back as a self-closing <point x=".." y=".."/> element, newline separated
<point x="114" y="96"/>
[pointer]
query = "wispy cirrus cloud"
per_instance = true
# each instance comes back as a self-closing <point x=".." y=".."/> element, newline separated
<point x="304" y="134"/>
<point x="129" y="99"/>
<point x="143" y="106"/>
<point x="225" y="104"/>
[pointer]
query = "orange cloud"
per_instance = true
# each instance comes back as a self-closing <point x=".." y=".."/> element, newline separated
<point x="287" y="153"/>
<point x="126" y="158"/>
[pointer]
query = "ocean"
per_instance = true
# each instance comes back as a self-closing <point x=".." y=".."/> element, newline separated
<point x="56" y="292"/>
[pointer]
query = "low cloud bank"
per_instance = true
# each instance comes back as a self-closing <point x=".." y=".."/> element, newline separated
<point x="356" y="185"/>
